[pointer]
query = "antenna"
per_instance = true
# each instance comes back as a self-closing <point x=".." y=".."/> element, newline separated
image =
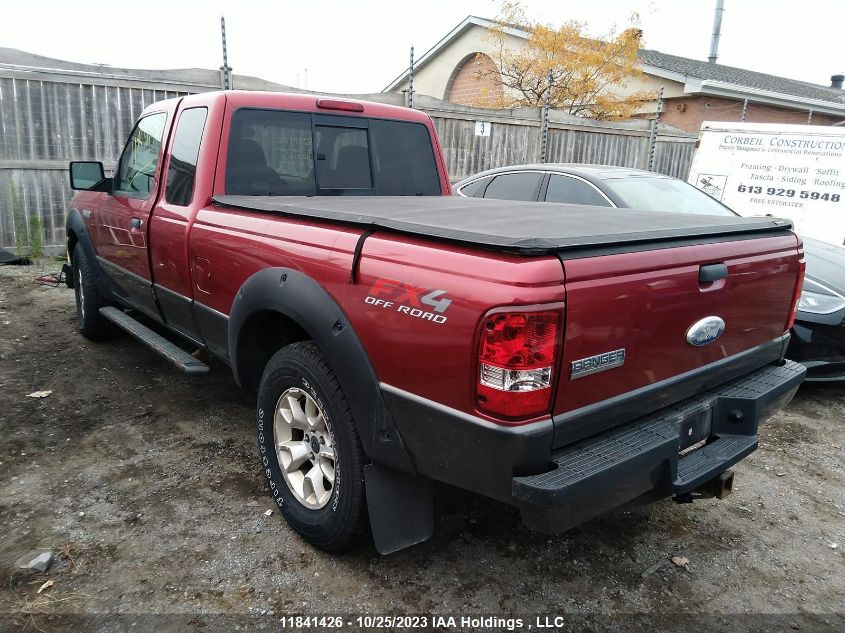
<point x="225" y="71"/>
<point x="717" y="31"/>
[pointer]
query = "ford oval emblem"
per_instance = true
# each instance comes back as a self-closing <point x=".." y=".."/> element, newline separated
<point x="705" y="331"/>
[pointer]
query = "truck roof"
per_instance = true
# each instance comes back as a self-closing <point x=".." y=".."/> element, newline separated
<point x="303" y="102"/>
<point x="526" y="228"/>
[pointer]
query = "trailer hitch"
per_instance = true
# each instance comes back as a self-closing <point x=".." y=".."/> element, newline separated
<point x="719" y="487"/>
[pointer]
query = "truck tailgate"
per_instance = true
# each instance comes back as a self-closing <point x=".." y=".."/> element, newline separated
<point x="646" y="302"/>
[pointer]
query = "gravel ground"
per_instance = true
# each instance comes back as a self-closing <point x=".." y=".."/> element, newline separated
<point x="146" y="485"/>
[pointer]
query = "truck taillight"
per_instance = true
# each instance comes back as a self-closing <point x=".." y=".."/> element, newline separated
<point x="796" y="295"/>
<point x="516" y="360"/>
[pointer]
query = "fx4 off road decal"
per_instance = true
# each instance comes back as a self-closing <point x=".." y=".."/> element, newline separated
<point x="405" y="298"/>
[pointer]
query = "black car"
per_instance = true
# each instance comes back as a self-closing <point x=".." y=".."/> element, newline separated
<point x="818" y="337"/>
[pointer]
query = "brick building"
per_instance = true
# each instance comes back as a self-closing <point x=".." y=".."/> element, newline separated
<point x="458" y="67"/>
<point x="700" y="91"/>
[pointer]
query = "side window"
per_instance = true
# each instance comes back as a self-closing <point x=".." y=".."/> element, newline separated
<point x="573" y="191"/>
<point x="137" y="166"/>
<point x="343" y="158"/>
<point x="182" y="170"/>
<point x="475" y="188"/>
<point x="270" y="153"/>
<point x="519" y="186"/>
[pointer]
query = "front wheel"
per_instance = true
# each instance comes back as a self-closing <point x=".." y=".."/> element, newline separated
<point x="88" y="300"/>
<point x="310" y="450"/>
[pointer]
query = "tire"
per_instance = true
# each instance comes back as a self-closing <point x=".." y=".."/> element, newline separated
<point x="88" y="300"/>
<point x="297" y="384"/>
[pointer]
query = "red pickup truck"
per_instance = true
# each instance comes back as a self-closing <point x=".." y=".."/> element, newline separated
<point x="566" y="363"/>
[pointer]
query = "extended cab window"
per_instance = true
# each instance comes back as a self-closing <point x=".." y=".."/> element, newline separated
<point x="270" y="154"/>
<point x="182" y="170"/>
<point x="574" y="191"/>
<point x="137" y="167"/>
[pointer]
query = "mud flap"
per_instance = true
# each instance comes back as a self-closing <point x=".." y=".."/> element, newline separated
<point x="400" y="506"/>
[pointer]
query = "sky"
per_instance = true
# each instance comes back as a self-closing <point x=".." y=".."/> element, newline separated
<point x="360" y="46"/>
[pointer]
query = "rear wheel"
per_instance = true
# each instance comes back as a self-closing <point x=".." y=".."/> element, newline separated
<point x="310" y="450"/>
<point x="88" y="300"/>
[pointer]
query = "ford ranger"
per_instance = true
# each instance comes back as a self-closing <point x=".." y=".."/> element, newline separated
<point x="565" y="363"/>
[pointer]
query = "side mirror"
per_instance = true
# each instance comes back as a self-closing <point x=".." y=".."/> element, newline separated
<point x="87" y="175"/>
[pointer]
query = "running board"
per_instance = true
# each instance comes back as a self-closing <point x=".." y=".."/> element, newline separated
<point x="181" y="359"/>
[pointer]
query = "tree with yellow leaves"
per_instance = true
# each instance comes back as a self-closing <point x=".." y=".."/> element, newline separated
<point x="589" y="76"/>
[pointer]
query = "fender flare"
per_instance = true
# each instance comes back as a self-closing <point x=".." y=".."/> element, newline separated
<point x="76" y="225"/>
<point x="301" y="299"/>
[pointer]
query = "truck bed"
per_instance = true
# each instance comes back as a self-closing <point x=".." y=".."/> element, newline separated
<point x="526" y="228"/>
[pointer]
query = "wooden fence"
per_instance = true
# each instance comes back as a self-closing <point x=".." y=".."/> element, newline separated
<point x="50" y="116"/>
<point x="514" y="136"/>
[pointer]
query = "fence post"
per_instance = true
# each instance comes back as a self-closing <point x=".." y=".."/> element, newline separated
<point x="411" y="81"/>
<point x="225" y="76"/>
<point x="544" y="123"/>
<point x="652" y="141"/>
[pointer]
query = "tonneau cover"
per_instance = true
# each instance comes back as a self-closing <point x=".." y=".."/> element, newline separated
<point x="528" y="228"/>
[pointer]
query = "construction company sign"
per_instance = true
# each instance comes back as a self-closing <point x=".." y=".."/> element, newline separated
<point x="779" y="170"/>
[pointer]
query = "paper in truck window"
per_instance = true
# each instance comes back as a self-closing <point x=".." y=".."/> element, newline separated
<point x="788" y="171"/>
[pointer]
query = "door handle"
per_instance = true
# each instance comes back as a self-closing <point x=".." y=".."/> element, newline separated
<point x="711" y="273"/>
<point x="135" y="223"/>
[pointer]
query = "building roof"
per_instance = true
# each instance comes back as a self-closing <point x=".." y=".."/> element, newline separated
<point x="181" y="79"/>
<point x="698" y="77"/>
<point x="739" y="77"/>
<point x="466" y="24"/>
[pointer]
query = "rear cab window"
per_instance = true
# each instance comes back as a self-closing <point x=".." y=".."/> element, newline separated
<point x="270" y="154"/>
<point x="343" y="158"/>
<point x="403" y="159"/>
<point x="283" y="153"/>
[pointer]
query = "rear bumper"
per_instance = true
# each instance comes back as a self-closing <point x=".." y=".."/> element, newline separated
<point x="640" y="461"/>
